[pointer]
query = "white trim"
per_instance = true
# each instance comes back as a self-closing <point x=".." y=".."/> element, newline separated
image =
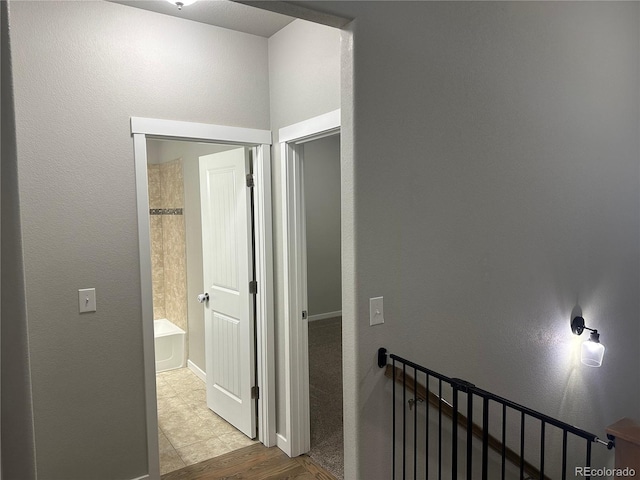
<point x="324" y="316"/>
<point x="297" y="437"/>
<point x="197" y="371"/>
<point x="261" y="142"/>
<point x="296" y="330"/>
<point x="144" y="477"/>
<point x="312" y="129"/>
<point x="265" y="335"/>
<point x="282" y="443"/>
<point x="146" y="291"/>
<point x="200" y="131"/>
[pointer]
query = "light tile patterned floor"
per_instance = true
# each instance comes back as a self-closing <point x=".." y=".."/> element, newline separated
<point x="188" y="431"/>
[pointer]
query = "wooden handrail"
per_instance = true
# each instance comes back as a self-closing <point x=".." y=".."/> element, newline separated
<point x="423" y="394"/>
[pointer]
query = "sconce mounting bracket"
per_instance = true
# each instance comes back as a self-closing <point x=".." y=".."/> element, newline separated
<point x="577" y="325"/>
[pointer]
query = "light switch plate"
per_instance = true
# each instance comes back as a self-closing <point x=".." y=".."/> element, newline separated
<point x="376" y="311"/>
<point x="87" y="300"/>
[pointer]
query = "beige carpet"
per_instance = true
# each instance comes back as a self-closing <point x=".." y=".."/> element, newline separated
<point x="325" y="392"/>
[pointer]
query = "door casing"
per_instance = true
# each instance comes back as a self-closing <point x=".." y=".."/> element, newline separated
<point x="260" y="141"/>
<point x="297" y="437"/>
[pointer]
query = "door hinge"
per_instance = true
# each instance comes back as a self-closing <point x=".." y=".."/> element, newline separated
<point x="250" y="182"/>
<point x="304" y="314"/>
<point x="255" y="392"/>
<point x="253" y="287"/>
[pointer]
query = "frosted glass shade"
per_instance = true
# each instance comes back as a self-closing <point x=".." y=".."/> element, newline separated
<point x="592" y="353"/>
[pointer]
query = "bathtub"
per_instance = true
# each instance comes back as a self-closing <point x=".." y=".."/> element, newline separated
<point x="169" y="345"/>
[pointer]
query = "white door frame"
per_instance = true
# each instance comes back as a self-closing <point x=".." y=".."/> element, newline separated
<point x="260" y="140"/>
<point x="297" y="437"/>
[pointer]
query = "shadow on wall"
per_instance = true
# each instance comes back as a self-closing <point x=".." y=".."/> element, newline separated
<point x="18" y="460"/>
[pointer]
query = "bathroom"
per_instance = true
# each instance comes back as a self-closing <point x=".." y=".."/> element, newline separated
<point x="189" y="432"/>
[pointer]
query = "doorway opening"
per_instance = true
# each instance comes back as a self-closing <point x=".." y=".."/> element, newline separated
<point x="190" y="431"/>
<point x="322" y="215"/>
<point x="310" y="151"/>
<point x="181" y="426"/>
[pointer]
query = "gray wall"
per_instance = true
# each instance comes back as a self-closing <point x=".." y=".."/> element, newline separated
<point x="304" y="73"/>
<point x="322" y="208"/>
<point x="81" y="70"/>
<point x="190" y="152"/>
<point x="495" y="188"/>
<point x="17" y="447"/>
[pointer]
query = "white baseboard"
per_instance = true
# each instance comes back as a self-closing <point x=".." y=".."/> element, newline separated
<point x="283" y="444"/>
<point x="322" y="316"/>
<point x="197" y="370"/>
<point x="144" y="477"/>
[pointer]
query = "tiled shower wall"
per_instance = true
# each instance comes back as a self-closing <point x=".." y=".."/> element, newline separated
<point x="168" y="255"/>
<point x="157" y="254"/>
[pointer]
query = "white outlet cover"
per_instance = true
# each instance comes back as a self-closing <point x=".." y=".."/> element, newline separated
<point x="376" y="311"/>
<point x="87" y="300"/>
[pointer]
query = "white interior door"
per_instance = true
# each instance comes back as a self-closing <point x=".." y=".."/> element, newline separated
<point x="228" y="269"/>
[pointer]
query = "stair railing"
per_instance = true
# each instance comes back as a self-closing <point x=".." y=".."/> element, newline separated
<point x="415" y="392"/>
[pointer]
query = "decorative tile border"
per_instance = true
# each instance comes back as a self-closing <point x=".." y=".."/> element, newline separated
<point x="165" y="211"/>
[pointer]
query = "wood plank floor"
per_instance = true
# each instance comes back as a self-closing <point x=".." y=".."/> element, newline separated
<point x="255" y="462"/>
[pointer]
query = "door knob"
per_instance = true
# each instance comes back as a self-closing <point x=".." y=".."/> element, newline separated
<point x="203" y="297"/>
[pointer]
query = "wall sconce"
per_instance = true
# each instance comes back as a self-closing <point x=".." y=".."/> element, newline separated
<point x="592" y="350"/>
<point x="181" y="3"/>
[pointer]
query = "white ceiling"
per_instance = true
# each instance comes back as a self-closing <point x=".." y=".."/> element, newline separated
<point x="221" y="13"/>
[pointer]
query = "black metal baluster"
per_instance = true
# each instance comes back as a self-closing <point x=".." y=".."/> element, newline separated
<point x="469" y="434"/>
<point x="485" y="438"/>
<point x="394" y="418"/>
<point x="415" y="423"/>
<point x="426" y="429"/>
<point x="404" y="420"/>
<point x="521" y="445"/>
<point x="588" y="457"/>
<point x="504" y="437"/>
<point x="542" y="450"/>
<point x="564" y="455"/>
<point x="439" y="429"/>
<point x="454" y="438"/>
